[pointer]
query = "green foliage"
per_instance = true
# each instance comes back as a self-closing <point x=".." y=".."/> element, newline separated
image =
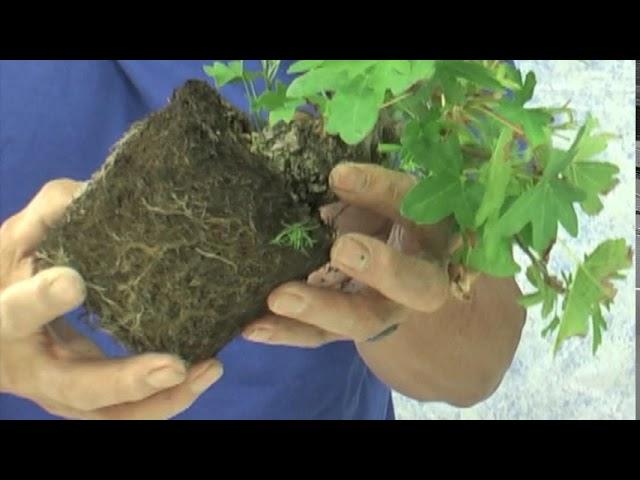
<point x="483" y="157"/>
<point x="296" y="235"/>
<point x="591" y="288"/>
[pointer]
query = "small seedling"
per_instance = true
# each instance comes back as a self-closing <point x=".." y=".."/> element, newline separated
<point x="296" y="236"/>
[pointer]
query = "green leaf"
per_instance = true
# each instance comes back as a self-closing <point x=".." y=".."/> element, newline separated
<point x="499" y="174"/>
<point x="422" y="69"/>
<point x="553" y="325"/>
<point x="545" y="220"/>
<point x="284" y="113"/>
<point x="493" y="254"/>
<point x="544" y="206"/>
<point x="251" y="76"/>
<point x="224" y="74"/>
<point x="548" y="296"/>
<point x="534" y="276"/>
<point x="419" y="136"/>
<point x="325" y="75"/>
<point x="535" y="122"/>
<point x="526" y="92"/>
<point x="594" y="178"/>
<point x="587" y="145"/>
<point x="556" y="161"/>
<point x="394" y="75"/>
<point x="353" y="112"/>
<point x="271" y="100"/>
<point x="598" y="324"/>
<point x="591" y="286"/>
<point x="304" y="65"/>
<point x="531" y="299"/>
<point x="468" y="203"/>
<point x="317" y="81"/>
<point x="471" y="71"/>
<point x="416" y="103"/>
<point x="519" y="214"/>
<point x="352" y="68"/>
<point x="509" y="76"/>
<point x="452" y="89"/>
<point x="566" y="195"/>
<point x="432" y="199"/>
<point x="422" y="139"/>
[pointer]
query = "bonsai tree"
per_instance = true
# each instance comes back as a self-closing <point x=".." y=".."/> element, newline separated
<point x="200" y="210"/>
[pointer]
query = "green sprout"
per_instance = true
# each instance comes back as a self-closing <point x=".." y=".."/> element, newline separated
<point x="296" y="235"/>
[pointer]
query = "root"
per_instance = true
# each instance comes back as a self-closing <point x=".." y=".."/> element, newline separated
<point x="217" y="257"/>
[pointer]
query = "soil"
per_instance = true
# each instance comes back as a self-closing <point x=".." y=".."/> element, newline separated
<point x="173" y="234"/>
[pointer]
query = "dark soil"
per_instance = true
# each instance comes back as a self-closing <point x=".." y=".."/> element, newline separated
<point x="173" y="235"/>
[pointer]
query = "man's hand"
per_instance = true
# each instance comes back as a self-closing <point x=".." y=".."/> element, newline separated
<point x="397" y="275"/>
<point x="394" y="289"/>
<point x="43" y="359"/>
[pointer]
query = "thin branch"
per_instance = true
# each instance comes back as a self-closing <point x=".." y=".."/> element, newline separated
<point x="549" y="280"/>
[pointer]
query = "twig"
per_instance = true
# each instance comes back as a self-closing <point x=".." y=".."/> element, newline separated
<point x="552" y="282"/>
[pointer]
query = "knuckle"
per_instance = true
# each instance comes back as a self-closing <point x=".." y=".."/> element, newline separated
<point x="386" y="261"/>
<point x="323" y="338"/>
<point x="42" y="285"/>
<point x="7" y="235"/>
<point x="59" y="411"/>
<point x="67" y="390"/>
<point x="128" y="387"/>
<point x="393" y="191"/>
<point x="9" y="378"/>
<point x="59" y="189"/>
<point x="5" y="325"/>
<point x="80" y="400"/>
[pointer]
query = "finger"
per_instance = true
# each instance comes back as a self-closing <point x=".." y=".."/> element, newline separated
<point x="413" y="282"/>
<point x="372" y="187"/>
<point x="277" y="330"/>
<point x="349" y="218"/>
<point x="354" y="316"/>
<point x="29" y="304"/>
<point x="92" y="384"/>
<point x="27" y="229"/>
<point x="170" y="402"/>
<point x="63" y="411"/>
<point x="327" y="277"/>
<point x="69" y="343"/>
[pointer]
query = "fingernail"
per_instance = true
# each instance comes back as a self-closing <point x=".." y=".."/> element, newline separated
<point x="165" y="377"/>
<point x="260" y="334"/>
<point x="348" y="177"/>
<point x="68" y="287"/>
<point x="204" y="379"/>
<point x="287" y="303"/>
<point x="351" y="253"/>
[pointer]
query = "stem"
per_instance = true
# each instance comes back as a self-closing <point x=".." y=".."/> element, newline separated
<point x="250" y="94"/>
<point x="396" y="99"/>
<point x="500" y="118"/>
<point x="541" y="266"/>
<point x="476" y="152"/>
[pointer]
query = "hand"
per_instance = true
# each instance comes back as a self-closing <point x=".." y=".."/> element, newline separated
<point x="396" y="274"/>
<point x="43" y="359"/>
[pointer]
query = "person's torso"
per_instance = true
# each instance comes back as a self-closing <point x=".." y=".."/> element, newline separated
<point x="59" y="119"/>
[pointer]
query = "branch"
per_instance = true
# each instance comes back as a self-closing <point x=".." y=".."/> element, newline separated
<point x="549" y="280"/>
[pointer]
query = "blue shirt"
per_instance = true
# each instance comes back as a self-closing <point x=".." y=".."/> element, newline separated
<point x="59" y="119"/>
